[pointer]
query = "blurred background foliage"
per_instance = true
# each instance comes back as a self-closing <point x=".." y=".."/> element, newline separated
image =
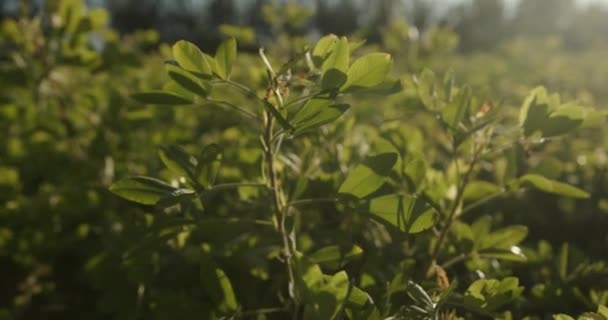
<point x="69" y="129"/>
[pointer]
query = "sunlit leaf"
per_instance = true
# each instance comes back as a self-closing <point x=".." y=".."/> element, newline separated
<point x="489" y="294"/>
<point x="217" y="285"/>
<point x="334" y="256"/>
<point x="335" y="66"/>
<point x="225" y="56"/>
<point x="187" y="80"/>
<point x="144" y="190"/>
<point x="190" y="57"/>
<point x="209" y="163"/>
<point x="367" y="177"/>
<point x="504" y="238"/>
<point x="178" y="160"/>
<point x="479" y="189"/>
<point x="368" y="71"/>
<point x="407" y="213"/>
<point x="551" y="186"/>
<point x="315" y="114"/>
<point x="323" y="47"/>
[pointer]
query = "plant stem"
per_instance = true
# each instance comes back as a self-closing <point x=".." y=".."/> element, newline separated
<point x="454" y="209"/>
<point x="455" y="260"/>
<point x="280" y="208"/>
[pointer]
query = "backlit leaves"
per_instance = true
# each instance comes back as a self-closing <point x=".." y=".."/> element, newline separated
<point x="368" y="71"/>
<point x="551" y="186"/>
<point x="190" y="57"/>
<point x="407" y="213"/>
<point x="224" y="57"/>
<point x="144" y="190"/>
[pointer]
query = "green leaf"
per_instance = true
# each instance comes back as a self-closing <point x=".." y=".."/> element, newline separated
<point x="429" y="91"/>
<point x="190" y="57"/>
<point x="481" y="228"/>
<point x="212" y="64"/>
<point x="217" y="285"/>
<point x="177" y="89"/>
<point x="415" y="170"/>
<point x="455" y="110"/>
<point x="323" y="47"/>
<point x="368" y="71"/>
<point x="144" y="190"/>
<point x="160" y="98"/>
<point x="591" y="316"/>
<point x="552" y="186"/>
<point x="562" y="316"/>
<point x="565" y="119"/>
<point x="225" y="56"/>
<point x="504" y="238"/>
<point x="358" y="297"/>
<point x="489" y="294"/>
<point x="388" y="87"/>
<point x="278" y="116"/>
<point x="335" y="257"/>
<point x="178" y="160"/>
<point x="407" y="213"/>
<point x="187" y="80"/>
<point x="353" y="45"/>
<point x="603" y="311"/>
<point x="462" y="231"/>
<point x="311" y="108"/>
<point x="543" y="113"/>
<point x="334" y="68"/>
<point x="326" y="301"/>
<point x="208" y="166"/>
<point x="315" y="113"/>
<point x="479" y="189"/>
<point x="176" y="197"/>
<point x="503" y="254"/>
<point x="367" y="177"/>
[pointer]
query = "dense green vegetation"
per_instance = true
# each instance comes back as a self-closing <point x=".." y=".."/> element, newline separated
<point x="313" y="179"/>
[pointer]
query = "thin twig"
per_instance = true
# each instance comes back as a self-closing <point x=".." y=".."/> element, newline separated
<point x="455" y="260"/>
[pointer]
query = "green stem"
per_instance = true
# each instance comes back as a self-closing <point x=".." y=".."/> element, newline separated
<point x="454" y="209"/>
<point x="455" y="260"/>
<point x="280" y="208"/>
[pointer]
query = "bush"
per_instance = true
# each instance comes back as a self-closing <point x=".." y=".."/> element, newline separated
<point x="337" y="182"/>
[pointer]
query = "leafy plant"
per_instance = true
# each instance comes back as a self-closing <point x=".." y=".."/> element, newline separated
<point x="391" y="185"/>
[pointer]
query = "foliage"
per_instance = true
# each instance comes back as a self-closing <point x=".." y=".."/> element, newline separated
<point x="322" y="181"/>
